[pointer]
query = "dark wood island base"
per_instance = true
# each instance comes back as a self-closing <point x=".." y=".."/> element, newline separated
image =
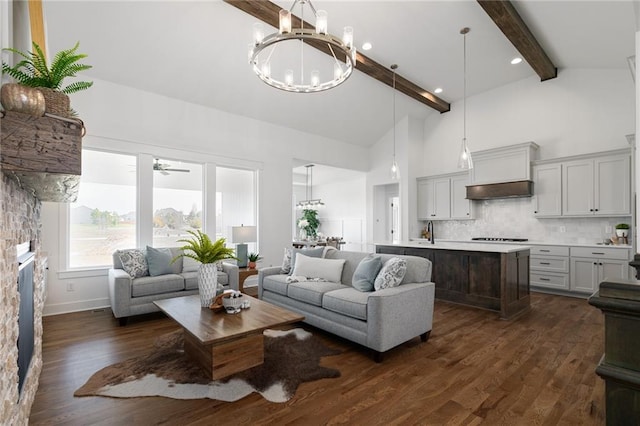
<point x="498" y="281"/>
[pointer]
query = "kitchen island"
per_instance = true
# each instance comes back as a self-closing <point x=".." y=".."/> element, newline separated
<point x="489" y="276"/>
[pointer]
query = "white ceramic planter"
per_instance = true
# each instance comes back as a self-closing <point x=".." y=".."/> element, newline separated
<point x="622" y="232"/>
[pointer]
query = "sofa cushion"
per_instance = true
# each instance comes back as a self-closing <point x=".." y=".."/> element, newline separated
<point x="289" y="260"/>
<point x="189" y="264"/>
<point x="391" y="274"/>
<point x="366" y="273"/>
<point x="159" y="261"/>
<point x="325" y="269"/>
<point x="133" y="262"/>
<point x="347" y="301"/>
<point x="276" y="283"/>
<point x="148" y="286"/>
<point x="311" y="291"/>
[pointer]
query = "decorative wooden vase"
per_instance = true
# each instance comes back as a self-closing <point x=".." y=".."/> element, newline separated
<point x="19" y="98"/>
<point x="207" y="283"/>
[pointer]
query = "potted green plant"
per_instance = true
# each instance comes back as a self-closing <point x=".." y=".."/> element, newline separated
<point x="311" y="222"/>
<point x="622" y="230"/>
<point x="253" y="259"/>
<point x="33" y="71"/>
<point x="200" y="248"/>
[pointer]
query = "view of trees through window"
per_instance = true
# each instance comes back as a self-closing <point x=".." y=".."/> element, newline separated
<point x="177" y="201"/>
<point x="103" y="219"/>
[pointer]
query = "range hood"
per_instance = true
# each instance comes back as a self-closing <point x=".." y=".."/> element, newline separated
<point x="492" y="191"/>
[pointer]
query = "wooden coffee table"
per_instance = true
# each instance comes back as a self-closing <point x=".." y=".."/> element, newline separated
<point x="223" y="344"/>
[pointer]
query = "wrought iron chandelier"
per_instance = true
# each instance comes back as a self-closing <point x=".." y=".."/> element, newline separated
<point x="282" y="75"/>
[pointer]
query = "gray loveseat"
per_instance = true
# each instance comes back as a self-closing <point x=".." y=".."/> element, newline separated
<point x="134" y="296"/>
<point x="379" y="320"/>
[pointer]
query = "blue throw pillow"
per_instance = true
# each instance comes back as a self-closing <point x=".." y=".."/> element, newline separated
<point x="366" y="273"/>
<point x="310" y="252"/>
<point x="159" y="261"/>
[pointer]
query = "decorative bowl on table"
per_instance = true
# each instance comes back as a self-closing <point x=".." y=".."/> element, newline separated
<point x="232" y="304"/>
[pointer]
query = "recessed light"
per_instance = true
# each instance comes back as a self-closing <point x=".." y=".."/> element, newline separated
<point x="366" y="46"/>
<point x="438" y="90"/>
<point x="516" y="61"/>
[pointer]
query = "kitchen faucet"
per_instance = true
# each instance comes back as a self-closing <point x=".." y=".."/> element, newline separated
<point x="430" y="232"/>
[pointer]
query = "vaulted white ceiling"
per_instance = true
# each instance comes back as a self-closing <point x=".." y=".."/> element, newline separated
<point x="197" y="51"/>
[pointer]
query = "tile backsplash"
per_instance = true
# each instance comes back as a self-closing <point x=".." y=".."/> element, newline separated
<point x="513" y="217"/>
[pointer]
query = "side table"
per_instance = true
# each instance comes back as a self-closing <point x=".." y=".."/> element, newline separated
<point x="243" y="273"/>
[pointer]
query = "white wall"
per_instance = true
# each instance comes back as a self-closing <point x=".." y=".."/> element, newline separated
<point x="129" y="120"/>
<point x="581" y="111"/>
<point x="344" y="212"/>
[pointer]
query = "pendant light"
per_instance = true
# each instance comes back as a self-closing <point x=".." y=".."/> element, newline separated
<point x="395" y="171"/>
<point x="464" y="161"/>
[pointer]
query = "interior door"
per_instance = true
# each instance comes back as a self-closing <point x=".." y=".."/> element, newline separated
<point x="394" y="214"/>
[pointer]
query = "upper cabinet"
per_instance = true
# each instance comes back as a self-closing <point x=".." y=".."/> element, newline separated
<point x="547" y="199"/>
<point x="589" y="185"/>
<point x="443" y="197"/>
<point x="597" y="186"/>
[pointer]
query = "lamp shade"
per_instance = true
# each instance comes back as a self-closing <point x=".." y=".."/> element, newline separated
<point x="244" y="234"/>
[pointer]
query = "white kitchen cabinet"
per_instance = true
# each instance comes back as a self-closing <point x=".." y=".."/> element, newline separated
<point x="547" y="186"/>
<point x="443" y="197"/>
<point x="549" y="267"/>
<point x="461" y="208"/>
<point x="590" y="266"/>
<point x="597" y="186"/>
<point x="434" y="199"/>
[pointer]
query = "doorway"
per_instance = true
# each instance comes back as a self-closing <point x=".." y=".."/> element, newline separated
<point x="387" y="223"/>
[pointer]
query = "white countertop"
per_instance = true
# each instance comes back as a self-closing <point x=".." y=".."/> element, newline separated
<point x="528" y="243"/>
<point x="455" y="245"/>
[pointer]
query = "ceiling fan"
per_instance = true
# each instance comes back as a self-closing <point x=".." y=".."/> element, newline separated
<point x="165" y="168"/>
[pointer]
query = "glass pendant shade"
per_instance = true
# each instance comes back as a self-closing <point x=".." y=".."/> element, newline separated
<point x="465" y="161"/>
<point x="395" y="171"/>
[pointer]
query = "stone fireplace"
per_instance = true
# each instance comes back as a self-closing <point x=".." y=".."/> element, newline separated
<point x="19" y="223"/>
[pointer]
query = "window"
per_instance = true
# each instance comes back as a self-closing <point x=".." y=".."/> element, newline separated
<point x="177" y="201"/>
<point x="236" y="201"/>
<point x="103" y="219"/>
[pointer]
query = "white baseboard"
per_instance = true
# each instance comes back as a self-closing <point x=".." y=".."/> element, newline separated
<point x="68" y="307"/>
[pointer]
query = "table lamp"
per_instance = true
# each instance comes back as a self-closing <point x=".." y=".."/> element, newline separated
<point x="240" y="235"/>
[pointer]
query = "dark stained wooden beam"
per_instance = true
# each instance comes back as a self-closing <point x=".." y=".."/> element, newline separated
<point x="507" y="18"/>
<point x="268" y="13"/>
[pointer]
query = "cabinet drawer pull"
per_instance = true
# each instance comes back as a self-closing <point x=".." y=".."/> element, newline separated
<point x="545" y="251"/>
<point x="593" y="252"/>
<point x="545" y="263"/>
<point x="544" y="279"/>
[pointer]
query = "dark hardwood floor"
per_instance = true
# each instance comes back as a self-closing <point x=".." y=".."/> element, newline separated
<point x="475" y="369"/>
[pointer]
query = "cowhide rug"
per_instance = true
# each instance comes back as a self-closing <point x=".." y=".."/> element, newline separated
<point x="291" y="357"/>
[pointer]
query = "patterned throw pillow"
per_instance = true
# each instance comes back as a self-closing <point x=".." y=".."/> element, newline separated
<point x="391" y="274"/>
<point x="134" y="262"/>
<point x="286" y="262"/>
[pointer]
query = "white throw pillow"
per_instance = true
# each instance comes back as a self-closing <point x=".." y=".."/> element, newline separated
<point x="391" y="274"/>
<point x="314" y="267"/>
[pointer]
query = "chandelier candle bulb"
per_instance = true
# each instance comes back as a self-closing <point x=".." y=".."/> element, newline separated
<point x="288" y="77"/>
<point x="322" y="23"/>
<point x="337" y="71"/>
<point x="266" y="70"/>
<point x="347" y="38"/>
<point x="285" y="21"/>
<point x="315" y="78"/>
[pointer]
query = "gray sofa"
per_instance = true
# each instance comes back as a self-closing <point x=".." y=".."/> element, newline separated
<point x="379" y="320"/>
<point x="135" y="296"/>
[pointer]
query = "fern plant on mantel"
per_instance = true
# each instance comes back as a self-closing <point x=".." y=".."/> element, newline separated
<point x="34" y="71"/>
